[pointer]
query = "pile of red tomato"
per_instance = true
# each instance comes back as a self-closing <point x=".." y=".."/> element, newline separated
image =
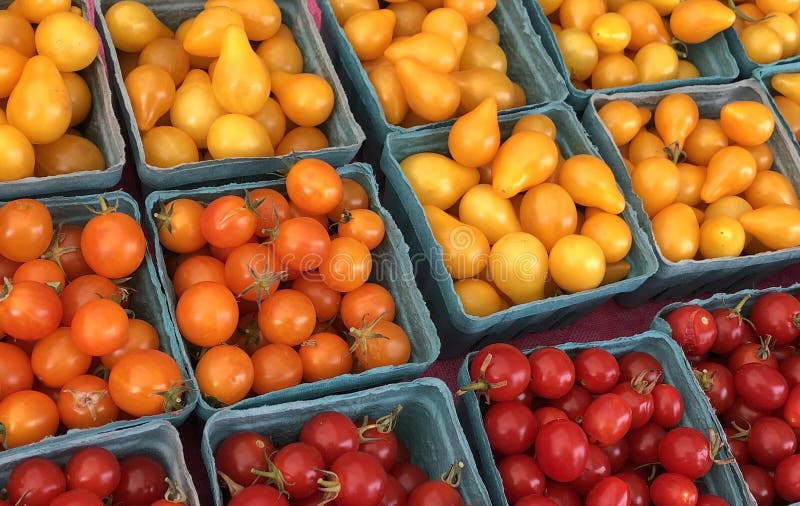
<point x="267" y="293"/>
<point x="593" y="430"/>
<point x="749" y="369"/>
<point x="92" y="476"/>
<point x="333" y="460"/>
<point x="63" y="311"/>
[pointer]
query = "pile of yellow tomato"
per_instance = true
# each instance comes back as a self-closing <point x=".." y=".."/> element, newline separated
<point x="787" y="98"/>
<point x="707" y="184"/>
<point x="515" y="220"/>
<point x="613" y="43"/>
<point x="769" y="29"/>
<point x="429" y="60"/>
<point x="43" y="99"/>
<point x="203" y="91"/>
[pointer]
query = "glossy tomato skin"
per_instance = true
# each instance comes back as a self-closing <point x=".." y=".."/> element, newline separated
<point x="672" y="489"/>
<point x="382" y="445"/>
<point x="113" y="245"/>
<point x="787" y="479"/>
<point x="300" y="466"/>
<point x="434" y="492"/>
<point x="562" y="450"/>
<point x="668" y="406"/>
<point x="633" y="363"/>
<point x="332" y="434"/>
<point x="607" y="419"/>
<point x="770" y="441"/>
<point x="141" y="481"/>
<point x="732" y="330"/>
<point x="138" y="378"/>
<point x="760" y="484"/>
<point x="31" y="311"/>
<point x="693" y="328"/>
<point x="395" y="494"/>
<point x="361" y="478"/>
<point x="498" y="363"/>
<point x="95" y="469"/>
<point x="37" y="477"/>
<point x="640" y="492"/>
<point x="716" y="381"/>
<point x="511" y="427"/>
<point x="258" y="495"/>
<point x="574" y="403"/>
<point x="761" y="387"/>
<point x="521" y="476"/>
<point x="552" y="373"/>
<point x="640" y="401"/>
<point x="777" y="315"/>
<point x="77" y="497"/>
<point x="791" y="410"/>
<point x="596" y="468"/>
<point x="685" y="450"/>
<point x="409" y="475"/>
<point x="611" y="491"/>
<point x="643" y="444"/>
<point x="597" y="370"/>
<point x="711" y="500"/>
<point x="241" y="452"/>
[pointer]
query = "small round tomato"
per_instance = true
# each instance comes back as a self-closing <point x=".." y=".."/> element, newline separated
<point x="552" y="373"/>
<point x="732" y="330"/>
<point x="511" y="427"/>
<point x="365" y="304"/>
<point x="301" y="244"/>
<point x="364" y="225"/>
<point x="65" y="250"/>
<point x="685" y="450"/>
<point x="26" y="229"/>
<point x="85" y="288"/>
<point x="332" y="433"/>
<point x="747" y="123"/>
<point x="99" y="327"/>
<point x="635" y="363"/>
<point x="228" y="221"/>
<point x="359" y="479"/>
<point x="521" y="477"/>
<point x="759" y="483"/>
<point x="207" y="314"/>
<point x="35" y="482"/>
<point x="78" y="497"/>
<point x="141" y="336"/>
<point x="597" y="467"/>
<point x="287" y="317"/>
<point x="643" y="444"/>
<point x="672" y="489"/>
<point x="146" y="382"/>
<point x="325" y="355"/>
<point x="668" y="406"/>
<point x="434" y="492"/>
<point x="597" y="370"/>
<point x="300" y="465"/>
<point x="770" y="441"/>
<point x="29" y="310"/>
<point x="716" y="381"/>
<point x="777" y="315"/>
<point x="224" y="374"/>
<point x="252" y="272"/>
<point x="314" y="186"/>
<point x="195" y="269"/>
<point x="761" y="387"/>
<point x="27" y="416"/>
<point x="275" y="367"/>
<point x="380" y="344"/>
<point x="693" y="328"/>
<point x="272" y="209"/>
<point x="237" y="454"/>
<point x="787" y="478"/>
<point x="178" y="226"/>
<point x="326" y="301"/>
<point x="113" y="244"/>
<point x="574" y="402"/>
<point x="409" y="476"/>
<point x="94" y="469"/>
<point x="254" y="495"/>
<point x="562" y="450"/>
<point x="609" y="491"/>
<point x="142" y="481"/>
<point x="607" y="419"/>
<point x="42" y="271"/>
<point x="56" y="359"/>
<point x="84" y="402"/>
<point x="17" y="370"/>
<point x="347" y="265"/>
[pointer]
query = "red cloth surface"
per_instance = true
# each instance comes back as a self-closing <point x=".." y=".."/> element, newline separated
<point x="606" y="322"/>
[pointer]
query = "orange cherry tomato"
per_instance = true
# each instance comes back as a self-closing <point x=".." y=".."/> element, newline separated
<point x="325" y="355"/>
<point x="84" y="403"/>
<point x="146" y="382"/>
<point x="27" y="416"/>
<point x="275" y="367"/>
<point x="747" y="123"/>
<point x="287" y="317"/>
<point x="224" y="374"/>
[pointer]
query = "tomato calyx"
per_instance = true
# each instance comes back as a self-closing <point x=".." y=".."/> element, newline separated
<point x="163" y="217"/>
<point x="453" y="475"/>
<point x="104" y="207"/>
<point x="481" y="386"/>
<point x="674" y="151"/>
<point x="640" y="384"/>
<point x="54" y="252"/>
<point x="382" y="425"/>
<point x="704" y="379"/>
<point x="765" y="347"/>
<point x="271" y="233"/>
<point x="736" y="311"/>
<point x="330" y="486"/>
<point x="716" y="445"/>
<point x="87" y="400"/>
<point x="251" y="336"/>
<point x="232" y="487"/>
<point x="362" y="335"/>
<point x="173" y="397"/>
<point x="680" y="48"/>
<point x="273" y="475"/>
<point x="262" y="282"/>
<point x="174" y="493"/>
<point x="8" y="287"/>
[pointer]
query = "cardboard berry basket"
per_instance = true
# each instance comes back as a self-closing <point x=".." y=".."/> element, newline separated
<point x="157" y="439"/>
<point x="712" y="58"/>
<point x="427" y="425"/>
<point x="344" y="134"/>
<point x="528" y="66"/>
<point x="459" y="331"/>
<point x="723" y="480"/>
<point x="147" y="303"/>
<point x="101" y="127"/>
<point x="764" y="76"/>
<point x="392" y="268"/>
<point x="691" y="277"/>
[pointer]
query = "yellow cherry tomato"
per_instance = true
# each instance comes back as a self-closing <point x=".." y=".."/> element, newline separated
<point x="622" y="119"/>
<point x="68" y="39"/>
<point x="167" y="146"/>
<point x="518" y="267"/>
<point x="590" y="182"/>
<point x="657" y="183"/>
<point x="762" y="155"/>
<point x="70" y="153"/>
<point x="549" y="213"/>
<point x="770" y="187"/>
<point x="722" y="236"/>
<point x="16" y="154"/>
<point x="676" y="232"/>
<point x="730" y="171"/>
<point x="614" y="70"/>
<point x="524" y="160"/>
<point x="611" y="233"/>
<point x="611" y="32"/>
<point x="492" y="214"/>
<point x="656" y="62"/>
<point x="580" y="13"/>
<point x="465" y="249"/>
<point x="301" y="139"/>
<point x="579" y="52"/>
<point x="237" y="135"/>
<point x="390" y="92"/>
<point x="762" y="44"/>
<point x="706" y="139"/>
<point x="478" y="297"/>
<point x="645" y="145"/>
<point x="776" y="226"/>
<point x="747" y="123"/>
<point x="438" y="180"/>
<point x="409" y="16"/>
<point x="577" y="263"/>
<point x="691" y="180"/>
<point x="535" y="123"/>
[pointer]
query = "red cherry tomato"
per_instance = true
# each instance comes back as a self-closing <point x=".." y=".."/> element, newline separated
<point x="332" y="434"/>
<point x="668" y="406"/>
<point x="672" y="489"/>
<point x="552" y="373"/>
<point x="787" y="479"/>
<point x="716" y="381"/>
<point x="94" y="469"/>
<point x="761" y="387"/>
<point x="685" y="450"/>
<point x="241" y="452"/>
<point x="500" y="371"/>
<point x="777" y="315"/>
<point x="732" y="330"/>
<point x="610" y="491"/>
<point x="521" y="476"/>
<point x="607" y="419"/>
<point x="141" y="481"/>
<point x="596" y="468"/>
<point x="511" y="427"/>
<point x="361" y="479"/>
<point x="258" y="495"/>
<point x="693" y="328"/>
<point x="597" y="370"/>
<point x="38" y="480"/>
<point x="562" y="450"/>
<point x="760" y="484"/>
<point x="770" y="441"/>
<point x="77" y="497"/>
<point x="300" y="466"/>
